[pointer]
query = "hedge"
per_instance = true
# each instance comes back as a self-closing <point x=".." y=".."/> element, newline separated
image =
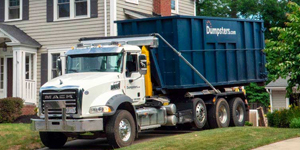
<point x="284" y="117"/>
<point x="10" y="109"/>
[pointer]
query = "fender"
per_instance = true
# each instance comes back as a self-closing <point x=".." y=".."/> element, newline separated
<point x="117" y="101"/>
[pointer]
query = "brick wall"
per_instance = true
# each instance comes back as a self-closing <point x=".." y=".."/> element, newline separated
<point x="28" y="110"/>
<point x="162" y="7"/>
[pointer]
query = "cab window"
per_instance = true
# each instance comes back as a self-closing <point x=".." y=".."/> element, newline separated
<point x="131" y="64"/>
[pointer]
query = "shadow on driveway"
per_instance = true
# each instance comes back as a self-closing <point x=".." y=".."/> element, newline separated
<point x="101" y="143"/>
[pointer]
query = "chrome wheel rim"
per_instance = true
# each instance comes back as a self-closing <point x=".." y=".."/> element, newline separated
<point x="223" y="114"/>
<point x="200" y="112"/>
<point x="239" y="113"/>
<point x="124" y="130"/>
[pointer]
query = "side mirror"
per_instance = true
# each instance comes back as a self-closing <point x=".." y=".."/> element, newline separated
<point x="143" y="64"/>
<point x="58" y="66"/>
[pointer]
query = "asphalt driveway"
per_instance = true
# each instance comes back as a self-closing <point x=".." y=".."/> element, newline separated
<point x="101" y="144"/>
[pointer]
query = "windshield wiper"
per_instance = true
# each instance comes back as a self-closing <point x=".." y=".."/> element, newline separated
<point x="73" y="70"/>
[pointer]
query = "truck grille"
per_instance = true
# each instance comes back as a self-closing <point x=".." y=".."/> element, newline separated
<point x="68" y="96"/>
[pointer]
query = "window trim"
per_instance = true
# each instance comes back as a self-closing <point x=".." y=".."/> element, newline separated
<point x="72" y="11"/>
<point x="132" y="1"/>
<point x="176" y="11"/>
<point x="7" y="12"/>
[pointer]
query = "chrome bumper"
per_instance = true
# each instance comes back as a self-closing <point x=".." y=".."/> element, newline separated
<point x="74" y="125"/>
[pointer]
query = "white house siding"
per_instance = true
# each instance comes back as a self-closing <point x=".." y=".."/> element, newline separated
<point x="278" y="99"/>
<point x="145" y="6"/>
<point x="186" y="7"/>
<point x="60" y="34"/>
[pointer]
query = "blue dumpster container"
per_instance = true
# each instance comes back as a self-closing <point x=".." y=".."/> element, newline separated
<point x="228" y="52"/>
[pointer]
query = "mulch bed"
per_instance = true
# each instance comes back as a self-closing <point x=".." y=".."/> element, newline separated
<point x="26" y="119"/>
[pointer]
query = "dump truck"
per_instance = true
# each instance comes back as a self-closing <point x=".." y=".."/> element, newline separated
<point x="158" y="72"/>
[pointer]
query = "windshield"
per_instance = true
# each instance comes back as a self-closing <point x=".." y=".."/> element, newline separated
<point x="94" y="63"/>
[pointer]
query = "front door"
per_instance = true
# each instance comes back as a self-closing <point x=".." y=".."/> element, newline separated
<point x="9" y="77"/>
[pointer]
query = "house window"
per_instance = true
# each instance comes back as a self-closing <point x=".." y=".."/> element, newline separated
<point x="13" y="9"/>
<point x="174" y="6"/>
<point x="71" y="9"/>
<point x="81" y="7"/>
<point x="63" y="8"/>
<point x="1" y="73"/>
<point x="54" y="70"/>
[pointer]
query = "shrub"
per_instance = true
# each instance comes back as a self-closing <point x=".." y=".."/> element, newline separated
<point x="283" y="118"/>
<point x="10" y="109"/>
<point x="247" y="123"/>
<point x="295" y="123"/>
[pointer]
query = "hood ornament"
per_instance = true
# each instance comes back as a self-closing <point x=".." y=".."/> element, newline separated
<point x="60" y="82"/>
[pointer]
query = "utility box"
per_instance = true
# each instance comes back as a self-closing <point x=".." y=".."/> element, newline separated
<point x="228" y="52"/>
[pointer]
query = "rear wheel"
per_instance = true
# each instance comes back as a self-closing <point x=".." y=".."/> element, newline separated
<point x="120" y="129"/>
<point x="238" y="111"/>
<point x="53" y="139"/>
<point x="219" y="115"/>
<point x="199" y="113"/>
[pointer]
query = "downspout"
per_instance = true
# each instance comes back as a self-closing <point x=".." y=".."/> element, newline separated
<point x="105" y="18"/>
<point x="271" y="101"/>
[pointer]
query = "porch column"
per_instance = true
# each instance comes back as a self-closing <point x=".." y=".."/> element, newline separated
<point x="18" y="71"/>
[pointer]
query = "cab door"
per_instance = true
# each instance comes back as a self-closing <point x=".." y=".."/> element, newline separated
<point x="134" y="81"/>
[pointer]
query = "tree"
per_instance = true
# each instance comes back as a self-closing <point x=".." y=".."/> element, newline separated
<point x="271" y="11"/>
<point x="283" y="52"/>
<point x="257" y="94"/>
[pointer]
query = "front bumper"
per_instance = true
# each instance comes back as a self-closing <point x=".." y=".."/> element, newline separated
<point x="69" y="125"/>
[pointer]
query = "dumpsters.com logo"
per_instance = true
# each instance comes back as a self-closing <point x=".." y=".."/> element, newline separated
<point x="218" y="31"/>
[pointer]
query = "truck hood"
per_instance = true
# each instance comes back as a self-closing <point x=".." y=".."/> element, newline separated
<point x="83" y="80"/>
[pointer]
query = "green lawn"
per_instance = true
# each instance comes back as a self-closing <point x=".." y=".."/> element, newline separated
<point x="18" y="136"/>
<point x="237" y="138"/>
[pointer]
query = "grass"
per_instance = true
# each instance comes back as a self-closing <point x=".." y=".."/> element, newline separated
<point x="18" y="136"/>
<point x="235" y="138"/>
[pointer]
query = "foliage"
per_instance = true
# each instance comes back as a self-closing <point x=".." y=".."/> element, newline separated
<point x="283" y="53"/>
<point x="271" y="11"/>
<point x="10" y="109"/>
<point x="257" y="94"/>
<point x="247" y="123"/>
<point x="295" y="123"/>
<point x="284" y="117"/>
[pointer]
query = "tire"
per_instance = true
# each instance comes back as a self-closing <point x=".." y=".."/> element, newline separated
<point x="237" y="112"/>
<point x="53" y="139"/>
<point x="219" y="115"/>
<point x="113" y="129"/>
<point x="199" y="113"/>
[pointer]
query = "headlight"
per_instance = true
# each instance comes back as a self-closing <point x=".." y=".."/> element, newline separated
<point x="99" y="109"/>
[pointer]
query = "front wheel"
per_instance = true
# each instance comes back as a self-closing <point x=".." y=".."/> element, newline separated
<point x="53" y="139"/>
<point x="120" y="129"/>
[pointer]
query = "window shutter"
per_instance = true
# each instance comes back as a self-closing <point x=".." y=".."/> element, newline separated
<point x="94" y="8"/>
<point x="44" y="68"/>
<point x="25" y="9"/>
<point x="50" y="10"/>
<point x="2" y="10"/>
